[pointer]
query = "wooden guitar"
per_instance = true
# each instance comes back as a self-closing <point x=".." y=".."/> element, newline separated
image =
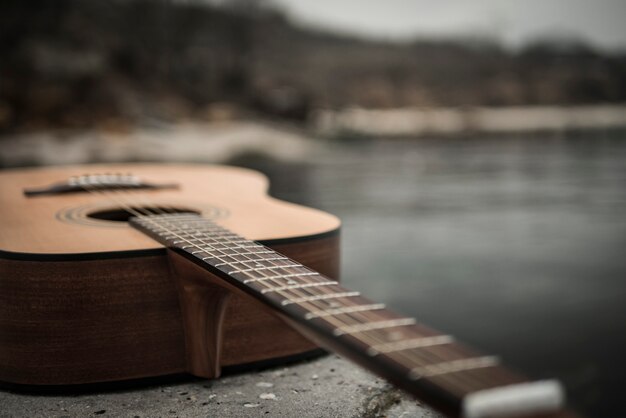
<point x="172" y="269"/>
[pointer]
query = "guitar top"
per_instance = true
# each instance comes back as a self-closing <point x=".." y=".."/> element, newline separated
<point x="63" y="223"/>
<point x="128" y="271"/>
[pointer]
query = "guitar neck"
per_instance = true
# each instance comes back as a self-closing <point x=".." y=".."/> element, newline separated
<point x="432" y="366"/>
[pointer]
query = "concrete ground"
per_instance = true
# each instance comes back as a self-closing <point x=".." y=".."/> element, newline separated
<point x="325" y="387"/>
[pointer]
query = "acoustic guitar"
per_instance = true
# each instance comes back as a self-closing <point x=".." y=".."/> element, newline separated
<point x="122" y="272"/>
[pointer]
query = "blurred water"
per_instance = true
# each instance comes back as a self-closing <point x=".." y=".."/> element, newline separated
<point x="515" y="245"/>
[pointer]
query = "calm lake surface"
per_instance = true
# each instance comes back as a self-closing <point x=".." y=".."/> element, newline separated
<point x="515" y="245"/>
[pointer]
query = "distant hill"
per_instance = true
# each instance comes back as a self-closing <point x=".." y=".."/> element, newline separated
<point x="112" y="62"/>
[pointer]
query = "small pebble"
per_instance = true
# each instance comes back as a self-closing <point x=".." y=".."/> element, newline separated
<point x="314" y="377"/>
<point x="212" y="396"/>
<point x="265" y="384"/>
<point x="270" y="396"/>
<point x="251" y="405"/>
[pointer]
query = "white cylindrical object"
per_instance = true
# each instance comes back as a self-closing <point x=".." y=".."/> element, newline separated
<point x="514" y="400"/>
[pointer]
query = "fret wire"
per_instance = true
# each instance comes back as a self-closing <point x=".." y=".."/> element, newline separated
<point x="245" y="253"/>
<point x="413" y="343"/>
<point x="161" y="227"/>
<point x="231" y="256"/>
<point x="298" y="286"/>
<point x="455" y="383"/>
<point x="464" y="389"/>
<point x="462" y="383"/>
<point x="213" y="245"/>
<point x="188" y="231"/>
<point x="192" y="237"/>
<point x="251" y="261"/>
<point x="280" y="276"/>
<point x="347" y="309"/>
<point x="353" y="293"/>
<point x="453" y="366"/>
<point x="413" y="360"/>
<point x="277" y="276"/>
<point x="263" y="268"/>
<point x="321" y="297"/>
<point x="191" y="234"/>
<point x="237" y="243"/>
<point x="292" y="285"/>
<point x="370" y="326"/>
<point x="193" y="240"/>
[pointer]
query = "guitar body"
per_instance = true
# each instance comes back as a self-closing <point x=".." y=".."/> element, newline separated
<point x="86" y="298"/>
<point x="108" y="276"/>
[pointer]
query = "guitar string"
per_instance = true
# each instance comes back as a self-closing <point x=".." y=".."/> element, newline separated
<point x="146" y="215"/>
<point x="412" y="356"/>
<point x="451" y="349"/>
<point x="425" y="351"/>
<point x="448" y="350"/>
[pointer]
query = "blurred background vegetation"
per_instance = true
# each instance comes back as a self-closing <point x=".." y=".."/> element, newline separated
<point x="111" y="63"/>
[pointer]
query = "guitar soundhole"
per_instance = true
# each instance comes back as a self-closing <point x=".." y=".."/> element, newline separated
<point x="122" y="215"/>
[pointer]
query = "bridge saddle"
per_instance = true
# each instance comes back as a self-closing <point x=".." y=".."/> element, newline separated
<point x="88" y="182"/>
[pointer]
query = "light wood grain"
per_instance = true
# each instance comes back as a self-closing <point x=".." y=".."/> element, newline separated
<point x="79" y="304"/>
<point x="29" y="223"/>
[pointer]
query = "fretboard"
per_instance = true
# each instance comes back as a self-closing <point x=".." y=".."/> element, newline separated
<point x="428" y="364"/>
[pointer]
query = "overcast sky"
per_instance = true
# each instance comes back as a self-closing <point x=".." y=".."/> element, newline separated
<point x="601" y="22"/>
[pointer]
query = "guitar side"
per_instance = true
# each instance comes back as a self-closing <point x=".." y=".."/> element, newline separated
<point x="84" y="300"/>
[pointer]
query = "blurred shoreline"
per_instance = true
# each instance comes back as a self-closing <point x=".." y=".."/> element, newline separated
<point x="191" y="141"/>
<point x="420" y="122"/>
<point x="226" y="140"/>
<point x="101" y="64"/>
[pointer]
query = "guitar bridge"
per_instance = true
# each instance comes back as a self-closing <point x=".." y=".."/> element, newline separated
<point x="97" y="182"/>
